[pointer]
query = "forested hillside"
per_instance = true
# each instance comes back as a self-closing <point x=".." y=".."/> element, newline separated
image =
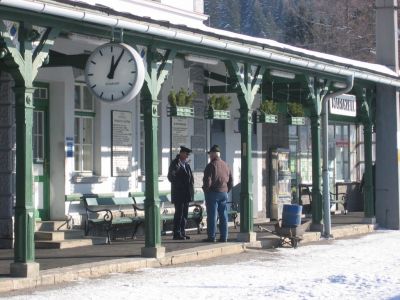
<point x="340" y="27"/>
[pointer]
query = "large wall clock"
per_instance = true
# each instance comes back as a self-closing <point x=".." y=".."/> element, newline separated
<point x="114" y="72"/>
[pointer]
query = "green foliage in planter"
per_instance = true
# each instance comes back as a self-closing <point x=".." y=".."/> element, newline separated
<point x="295" y="109"/>
<point x="181" y="98"/>
<point x="219" y="103"/>
<point x="269" y="107"/>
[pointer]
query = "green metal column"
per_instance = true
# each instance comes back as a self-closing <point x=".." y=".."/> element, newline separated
<point x="23" y="63"/>
<point x="318" y="88"/>
<point x="369" y="209"/>
<point x="246" y="194"/>
<point x="316" y="169"/>
<point x="369" y="189"/>
<point x="155" y="76"/>
<point x="24" y="250"/>
<point x="249" y="81"/>
<point x="152" y="202"/>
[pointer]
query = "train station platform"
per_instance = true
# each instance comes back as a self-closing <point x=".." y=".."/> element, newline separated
<point x="124" y="255"/>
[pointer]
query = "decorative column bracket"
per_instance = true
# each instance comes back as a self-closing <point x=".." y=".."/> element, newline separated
<point x="248" y="87"/>
<point x="158" y="67"/>
<point x="25" y="58"/>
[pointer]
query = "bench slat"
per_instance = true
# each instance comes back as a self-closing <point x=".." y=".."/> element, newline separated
<point x="109" y="201"/>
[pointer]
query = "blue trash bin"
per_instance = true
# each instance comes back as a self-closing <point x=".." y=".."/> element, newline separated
<point x="291" y="215"/>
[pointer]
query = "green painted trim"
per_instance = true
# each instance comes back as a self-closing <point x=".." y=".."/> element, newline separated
<point x="73" y="197"/>
<point x="142" y="194"/>
<point x="344" y="119"/>
<point x="43" y="105"/>
<point x="85" y="114"/>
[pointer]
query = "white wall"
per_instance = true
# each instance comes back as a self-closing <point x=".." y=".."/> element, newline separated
<point x="62" y="127"/>
<point x="60" y="80"/>
<point x="182" y="4"/>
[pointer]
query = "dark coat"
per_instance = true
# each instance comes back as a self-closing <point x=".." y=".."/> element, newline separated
<point x="182" y="181"/>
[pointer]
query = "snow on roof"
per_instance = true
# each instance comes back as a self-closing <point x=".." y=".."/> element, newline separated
<point x="166" y="16"/>
<point x="151" y="9"/>
<point x="304" y="52"/>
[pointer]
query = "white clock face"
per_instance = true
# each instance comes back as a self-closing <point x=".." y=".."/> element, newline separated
<point x="114" y="72"/>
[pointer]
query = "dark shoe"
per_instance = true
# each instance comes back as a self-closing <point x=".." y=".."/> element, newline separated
<point x="222" y="240"/>
<point x="209" y="240"/>
<point x="179" y="238"/>
<point x="186" y="237"/>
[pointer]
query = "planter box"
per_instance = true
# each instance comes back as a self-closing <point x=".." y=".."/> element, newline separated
<point x="266" y="118"/>
<point x="297" y="120"/>
<point x="180" y="111"/>
<point x="217" y="114"/>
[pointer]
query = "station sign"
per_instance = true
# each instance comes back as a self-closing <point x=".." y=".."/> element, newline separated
<point x="344" y="105"/>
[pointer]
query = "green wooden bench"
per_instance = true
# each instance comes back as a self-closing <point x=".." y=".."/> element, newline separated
<point x="167" y="210"/>
<point x="110" y="213"/>
<point x="233" y="210"/>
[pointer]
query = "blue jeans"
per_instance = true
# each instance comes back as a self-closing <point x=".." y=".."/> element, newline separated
<point x="216" y="203"/>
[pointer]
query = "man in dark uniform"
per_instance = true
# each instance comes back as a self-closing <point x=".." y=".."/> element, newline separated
<point x="182" y="191"/>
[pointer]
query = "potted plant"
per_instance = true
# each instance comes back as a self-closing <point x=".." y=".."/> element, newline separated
<point x="217" y="107"/>
<point x="268" y="112"/>
<point x="181" y="103"/>
<point x="296" y="114"/>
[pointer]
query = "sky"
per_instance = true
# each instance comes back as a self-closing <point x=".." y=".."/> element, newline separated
<point x="357" y="268"/>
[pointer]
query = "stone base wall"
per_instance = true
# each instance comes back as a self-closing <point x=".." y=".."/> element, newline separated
<point x="7" y="160"/>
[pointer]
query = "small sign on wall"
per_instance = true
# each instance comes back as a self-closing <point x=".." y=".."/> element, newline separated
<point x="180" y="134"/>
<point x="121" y="137"/>
<point x="344" y="105"/>
<point x="69" y="147"/>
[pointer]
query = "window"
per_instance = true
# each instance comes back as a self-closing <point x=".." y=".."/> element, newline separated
<point x="38" y="136"/>
<point x="342" y="152"/>
<point x="39" y="126"/>
<point x="339" y="157"/>
<point x="83" y="129"/>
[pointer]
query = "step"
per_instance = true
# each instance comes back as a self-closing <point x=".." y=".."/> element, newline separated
<point x="88" y="241"/>
<point x="59" y="235"/>
<point x="51" y="225"/>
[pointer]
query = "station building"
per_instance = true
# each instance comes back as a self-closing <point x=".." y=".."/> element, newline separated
<point x="58" y="140"/>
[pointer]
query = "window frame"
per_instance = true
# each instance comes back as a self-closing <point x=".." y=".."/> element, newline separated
<point x="81" y="114"/>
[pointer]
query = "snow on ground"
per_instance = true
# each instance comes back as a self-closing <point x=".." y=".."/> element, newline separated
<point x="364" y="268"/>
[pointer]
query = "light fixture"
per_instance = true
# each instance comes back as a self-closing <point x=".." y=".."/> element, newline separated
<point x="3" y="52"/>
<point x="283" y="74"/>
<point x="340" y="85"/>
<point x="201" y="59"/>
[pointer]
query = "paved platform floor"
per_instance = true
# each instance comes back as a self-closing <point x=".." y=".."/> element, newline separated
<point x="120" y="248"/>
<point x="82" y="259"/>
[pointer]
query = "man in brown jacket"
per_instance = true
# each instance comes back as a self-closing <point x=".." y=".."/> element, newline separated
<point x="217" y="183"/>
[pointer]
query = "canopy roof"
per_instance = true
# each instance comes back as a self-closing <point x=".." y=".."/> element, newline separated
<point x="215" y="42"/>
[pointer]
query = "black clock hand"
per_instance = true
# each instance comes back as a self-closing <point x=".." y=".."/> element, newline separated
<point x="111" y="72"/>
<point x="114" y="66"/>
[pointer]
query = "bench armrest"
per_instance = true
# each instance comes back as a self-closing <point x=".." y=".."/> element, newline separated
<point x="197" y="208"/>
<point x="233" y="204"/>
<point x="137" y="208"/>
<point x="108" y="216"/>
<point x="339" y="197"/>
